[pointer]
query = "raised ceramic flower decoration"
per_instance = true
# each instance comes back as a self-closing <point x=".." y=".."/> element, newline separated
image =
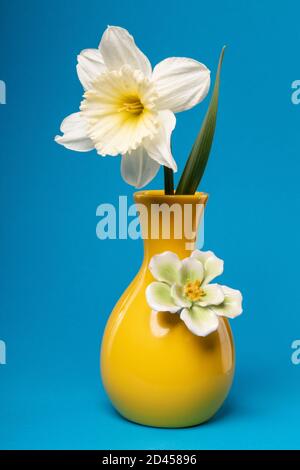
<point x="184" y="287"/>
<point x="128" y="109"/>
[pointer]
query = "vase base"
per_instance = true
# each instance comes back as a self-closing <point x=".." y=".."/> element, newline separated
<point x="168" y="425"/>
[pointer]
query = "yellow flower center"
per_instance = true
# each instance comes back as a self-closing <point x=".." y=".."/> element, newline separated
<point x="132" y="105"/>
<point x="192" y="290"/>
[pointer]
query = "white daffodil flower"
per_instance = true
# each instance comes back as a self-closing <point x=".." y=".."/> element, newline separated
<point x="128" y="109"/>
<point x="183" y="287"/>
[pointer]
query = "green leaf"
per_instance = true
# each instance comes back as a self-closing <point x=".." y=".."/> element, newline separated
<point x="195" y="166"/>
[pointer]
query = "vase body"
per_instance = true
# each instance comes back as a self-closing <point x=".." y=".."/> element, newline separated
<point x="154" y="370"/>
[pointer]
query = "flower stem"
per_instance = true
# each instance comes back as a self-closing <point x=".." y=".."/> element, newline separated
<point x="169" y="180"/>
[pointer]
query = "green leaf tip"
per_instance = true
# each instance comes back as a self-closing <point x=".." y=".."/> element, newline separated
<point x="196" y="163"/>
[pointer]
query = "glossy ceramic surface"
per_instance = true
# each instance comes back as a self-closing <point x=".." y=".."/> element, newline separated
<point x="154" y="370"/>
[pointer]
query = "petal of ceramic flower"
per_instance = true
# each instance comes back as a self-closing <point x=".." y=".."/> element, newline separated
<point x="181" y="83"/>
<point x="117" y="47"/>
<point x="214" y="295"/>
<point x="90" y="65"/>
<point x="213" y="266"/>
<point x="191" y="270"/>
<point x="159" y="147"/>
<point x="165" y="267"/>
<point x="232" y="305"/>
<point x="200" y="321"/>
<point x="74" y="135"/>
<point x="178" y="296"/>
<point x="137" y="168"/>
<point x="158" y="295"/>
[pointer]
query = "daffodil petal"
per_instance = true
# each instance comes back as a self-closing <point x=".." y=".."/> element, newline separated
<point x="159" y="147"/>
<point x="90" y="65"/>
<point x="178" y="296"/>
<point x="117" y="47"/>
<point x="137" y="168"/>
<point x="181" y="83"/>
<point x="214" y="295"/>
<point x="158" y="295"/>
<point x="74" y="136"/>
<point x="213" y="266"/>
<point x="200" y="321"/>
<point x="165" y="267"/>
<point x="191" y="270"/>
<point x="232" y="305"/>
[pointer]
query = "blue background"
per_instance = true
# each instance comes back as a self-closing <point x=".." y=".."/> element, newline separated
<point x="58" y="281"/>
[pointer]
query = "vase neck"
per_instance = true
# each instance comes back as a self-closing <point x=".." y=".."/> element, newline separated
<point x="169" y="223"/>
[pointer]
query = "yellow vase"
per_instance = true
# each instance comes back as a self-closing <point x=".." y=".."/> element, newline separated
<point x="155" y="371"/>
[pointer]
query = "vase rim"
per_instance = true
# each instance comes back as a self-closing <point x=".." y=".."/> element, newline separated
<point x="160" y="195"/>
